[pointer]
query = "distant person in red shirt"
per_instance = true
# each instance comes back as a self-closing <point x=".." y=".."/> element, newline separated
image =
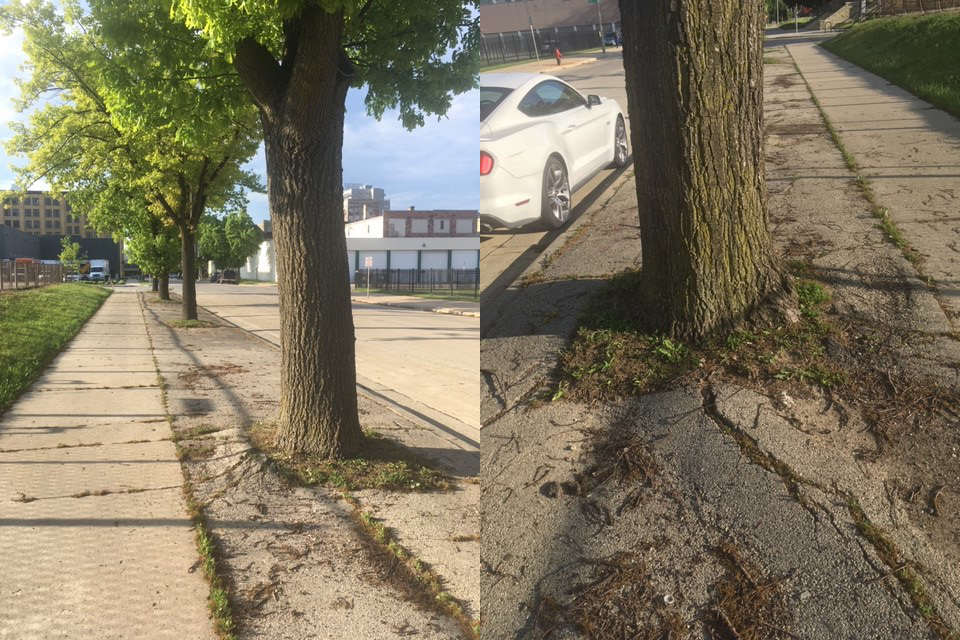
<point x="557" y="55"/>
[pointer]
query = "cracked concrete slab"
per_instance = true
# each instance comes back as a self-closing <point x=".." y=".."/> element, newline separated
<point x="95" y="540"/>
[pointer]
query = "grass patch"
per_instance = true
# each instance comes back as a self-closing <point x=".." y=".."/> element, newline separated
<point x="917" y="53"/>
<point x="612" y="356"/>
<point x="190" y="324"/>
<point x="772" y="60"/>
<point x="791" y="24"/>
<point x="35" y="325"/>
<point x="195" y="432"/>
<point x="219" y="598"/>
<point x="427" y="295"/>
<point x="385" y="465"/>
<point x="196" y="451"/>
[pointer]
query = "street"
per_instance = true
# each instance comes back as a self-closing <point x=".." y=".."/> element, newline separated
<point x="505" y="253"/>
<point x="425" y="363"/>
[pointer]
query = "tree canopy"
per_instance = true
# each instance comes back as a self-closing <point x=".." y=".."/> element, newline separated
<point x="229" y="241"/>
<point x="413" y="56"/>
<point x="132" y="118"/>
<point x="70" y="254"/>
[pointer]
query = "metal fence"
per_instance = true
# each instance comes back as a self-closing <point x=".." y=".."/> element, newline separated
<point x="25" y="275"/>
<point x="509" y="46"/>
<point x="875" y="8"/>
<point x="421" y="280"/>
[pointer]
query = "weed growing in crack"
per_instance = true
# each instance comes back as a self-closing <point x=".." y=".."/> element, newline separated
<point x="890" y="554"/>
<point x="413" y="576"/>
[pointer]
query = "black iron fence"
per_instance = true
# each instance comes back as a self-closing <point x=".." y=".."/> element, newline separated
<point x="25" y="275"/>
<point x="462" y="281"/>
<point x="496" y="48"/>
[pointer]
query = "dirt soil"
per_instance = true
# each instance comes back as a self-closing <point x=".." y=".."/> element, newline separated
<point x="294" y="557"/>
<point x="720" y="508"/>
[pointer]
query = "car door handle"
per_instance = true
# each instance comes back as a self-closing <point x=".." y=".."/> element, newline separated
<point x="572" y="126"/>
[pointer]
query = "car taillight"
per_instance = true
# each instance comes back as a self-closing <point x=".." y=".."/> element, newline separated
<point x="486" y="163"/>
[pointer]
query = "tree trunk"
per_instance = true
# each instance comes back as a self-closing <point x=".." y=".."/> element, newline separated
<point x="188" y="276"/>
<point x="302" y="112"/>
<point x="155" y="283"/>
<point x="164" y="289"/>
<point x="695" y="90"/>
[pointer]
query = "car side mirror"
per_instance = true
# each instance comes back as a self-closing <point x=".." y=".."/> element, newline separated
<point x="593" y="100"/>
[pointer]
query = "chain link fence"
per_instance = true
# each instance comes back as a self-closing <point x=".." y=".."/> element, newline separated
<point x="26" y="275"/>
<point x="453" y="281"/>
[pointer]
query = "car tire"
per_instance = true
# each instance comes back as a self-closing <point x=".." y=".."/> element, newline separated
<point x="555" y="205"/>
<point x="620" y="153"/>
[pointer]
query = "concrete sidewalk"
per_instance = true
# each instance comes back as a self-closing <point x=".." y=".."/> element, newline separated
<point x="96" y="541"/>
<point x="449" y="307"/>
<point x="910" y="152"/>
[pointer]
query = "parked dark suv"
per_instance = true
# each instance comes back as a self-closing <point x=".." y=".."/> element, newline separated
<point x="229" y="276"/>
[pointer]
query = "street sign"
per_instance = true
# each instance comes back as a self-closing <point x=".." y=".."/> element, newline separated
<point x="368" y="262"/>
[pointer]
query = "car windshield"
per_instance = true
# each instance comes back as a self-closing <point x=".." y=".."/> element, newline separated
<point x="490" y="98"/>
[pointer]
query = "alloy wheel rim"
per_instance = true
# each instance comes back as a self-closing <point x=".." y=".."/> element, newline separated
<point x="621" y="141"/>
<point x="558" y="192"/>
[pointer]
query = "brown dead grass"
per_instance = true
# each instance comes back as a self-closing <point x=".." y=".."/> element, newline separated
<point x="616" y="600"/>
<point x="749" y="605"/>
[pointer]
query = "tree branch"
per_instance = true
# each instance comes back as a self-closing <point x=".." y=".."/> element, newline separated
<point x="261" y="73"/>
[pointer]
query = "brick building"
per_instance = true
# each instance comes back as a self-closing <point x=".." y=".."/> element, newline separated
<point x="40" y="213"/>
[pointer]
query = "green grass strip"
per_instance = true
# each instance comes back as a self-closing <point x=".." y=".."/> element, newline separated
<point x="917" y="53"/>
<point x="35" y="325"/>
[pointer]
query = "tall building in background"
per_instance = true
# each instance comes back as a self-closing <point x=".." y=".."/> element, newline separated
<point x="362" y="201"/>
<point x="39" y="213"/>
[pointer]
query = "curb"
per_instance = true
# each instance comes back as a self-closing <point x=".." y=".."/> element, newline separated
<point x="401" y="305"/>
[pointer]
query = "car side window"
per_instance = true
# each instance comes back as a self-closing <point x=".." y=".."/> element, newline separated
<point x="548" y="98"/>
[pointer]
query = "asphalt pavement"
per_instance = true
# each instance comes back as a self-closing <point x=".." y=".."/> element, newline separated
<point x="424" y="363"/>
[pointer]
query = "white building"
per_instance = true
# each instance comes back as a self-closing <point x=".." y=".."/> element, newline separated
<point x="385" y="253"/>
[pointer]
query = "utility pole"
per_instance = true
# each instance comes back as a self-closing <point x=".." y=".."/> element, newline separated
<point x="534" y="38"/>
<point x="603" y="41"/>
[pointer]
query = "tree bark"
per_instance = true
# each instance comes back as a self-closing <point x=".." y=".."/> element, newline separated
<point x="188" y="260"/>
<point x="694" y="90"/>
<point x="164" y="288"/>
<point x="302" y="108"/>
<point x="155" y="283"/>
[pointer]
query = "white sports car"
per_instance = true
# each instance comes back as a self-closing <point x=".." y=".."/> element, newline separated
<point x="540" y="140"/>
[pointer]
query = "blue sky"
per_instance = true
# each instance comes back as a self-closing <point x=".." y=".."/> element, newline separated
<point x="433" y="167"/>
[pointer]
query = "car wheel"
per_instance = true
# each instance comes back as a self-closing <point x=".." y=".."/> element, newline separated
<point x="620" y="144"/>
<point x="555" y="200"/>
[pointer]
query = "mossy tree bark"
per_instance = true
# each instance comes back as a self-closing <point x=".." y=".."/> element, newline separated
<point x="695" y="89"/>
<point x="302" y="104"/>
